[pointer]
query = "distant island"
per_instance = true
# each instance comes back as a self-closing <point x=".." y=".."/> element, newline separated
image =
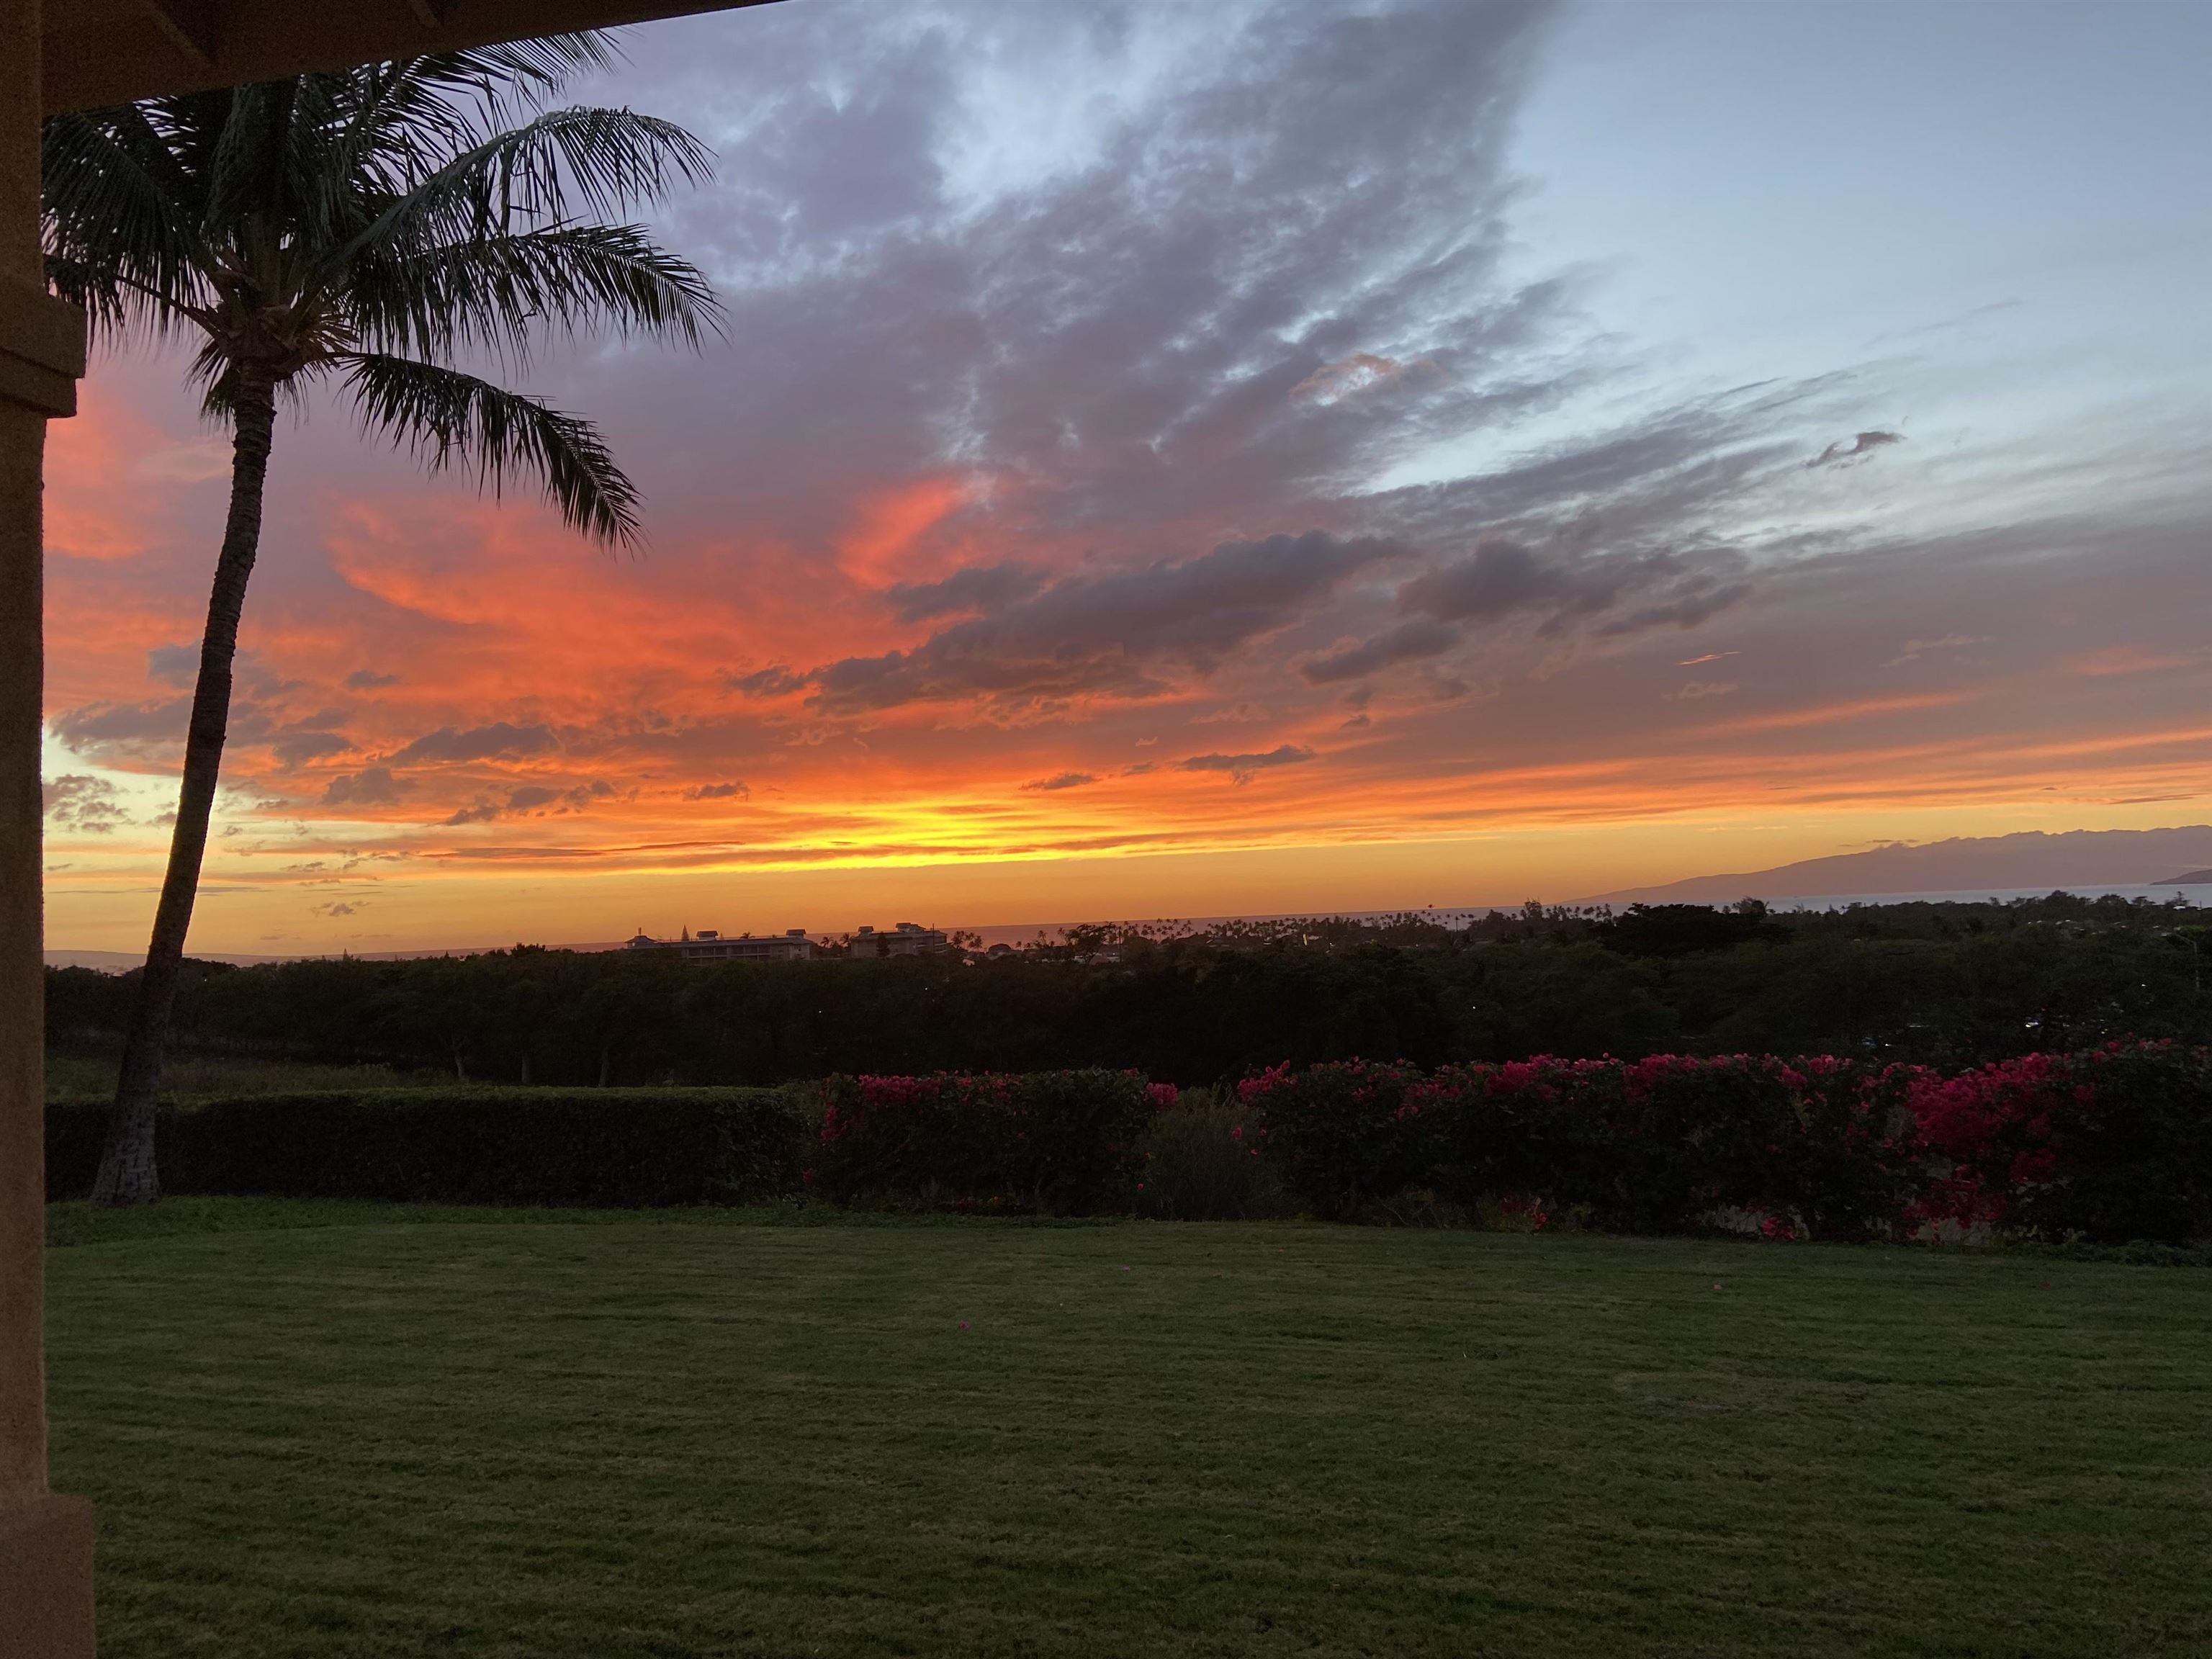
<point x="2032" y="859"/>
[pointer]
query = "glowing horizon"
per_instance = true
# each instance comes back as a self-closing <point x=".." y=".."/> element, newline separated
<point x="1143" y="473"/>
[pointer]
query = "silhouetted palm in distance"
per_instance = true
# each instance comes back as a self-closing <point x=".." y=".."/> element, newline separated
<point x="369" y="229"/>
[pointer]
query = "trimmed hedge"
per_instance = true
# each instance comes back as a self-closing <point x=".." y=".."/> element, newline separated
<point x="639" y="1148"/>
<point x="1822" y="1147"/>
<point x="2106" y="1147"/>
<point x="1058" y="1143"/>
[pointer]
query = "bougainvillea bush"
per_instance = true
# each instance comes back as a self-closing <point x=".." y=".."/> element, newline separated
<point x="1822" y="1147"/>
<point x="2111" y="1145"/>
<point x="1057" y="1143"/>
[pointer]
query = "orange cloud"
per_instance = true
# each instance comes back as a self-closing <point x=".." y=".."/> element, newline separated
<point x="100" y="466"/>
<point x="884" y="544"/>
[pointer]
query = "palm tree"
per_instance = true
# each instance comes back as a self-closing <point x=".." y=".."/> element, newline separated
<point x="367" y="229"/>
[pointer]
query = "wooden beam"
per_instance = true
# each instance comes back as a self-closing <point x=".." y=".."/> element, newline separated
<point x="187" y="25"/>
<point x="112" y="51"/>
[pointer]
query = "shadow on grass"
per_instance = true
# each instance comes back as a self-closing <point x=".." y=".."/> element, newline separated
<point x="76" y="1222"/>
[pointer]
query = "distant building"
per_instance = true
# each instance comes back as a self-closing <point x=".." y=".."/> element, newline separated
<point x="707" y="945"/>
<point x="908" y="938"/>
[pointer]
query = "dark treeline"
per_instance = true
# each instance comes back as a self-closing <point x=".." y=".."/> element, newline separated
<point x="1939" y="983"/>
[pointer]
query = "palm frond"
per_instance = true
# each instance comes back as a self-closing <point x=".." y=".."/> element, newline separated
<point x="604" y="161"/>
<point x="410" y="116"/>
<point x="120" y="221"/>
<point x="519" y="74"/>
<point x="490" y="292"/>
<point x="451" y="420"/>
<point x="402" y="122"/>
<point x="245" y="166"/>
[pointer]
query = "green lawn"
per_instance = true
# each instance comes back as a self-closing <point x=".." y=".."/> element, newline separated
<point x="438" y="1432"/>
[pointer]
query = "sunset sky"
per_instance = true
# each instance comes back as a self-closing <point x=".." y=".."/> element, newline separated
<point x="1179" y="461"/>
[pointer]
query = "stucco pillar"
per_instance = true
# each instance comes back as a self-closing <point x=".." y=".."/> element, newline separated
<point x="46" y="1540"/>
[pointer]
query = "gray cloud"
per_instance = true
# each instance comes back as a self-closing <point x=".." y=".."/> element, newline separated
<point x="366" y="679"/>
<point x="1856" y="451"/>
<point x="1632" y="488"/>
<point x="1502" y="577"/>
<point x="776" y="682"/>
<point x="1412" y="641"/>
<point x="1499" y="578"/>
<point x="123" y="725"/>
<point x="1063" y="780"/>
<point x="719" y="792"/>
<point x="1685" y="601"/>
<point x="373" y="786"/>
<point x="531" y="799"/>
<point x="78" y="801"/>
<point x="979" y="587"/>
<point x="1241" y="768"/>
<point x="148" y="733"/>
<point x="496" y="740"/>
<point x="177" y="665"/>
<point x="298" y="747"/>
<point x="1108" y="633"/>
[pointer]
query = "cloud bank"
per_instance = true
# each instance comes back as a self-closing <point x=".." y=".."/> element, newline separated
<point x="1120" y="400"/>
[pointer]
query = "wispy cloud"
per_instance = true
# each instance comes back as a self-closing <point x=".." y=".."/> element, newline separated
<point x="1855" y="451"/>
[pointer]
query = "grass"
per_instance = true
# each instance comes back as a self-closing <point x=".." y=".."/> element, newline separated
<point x="325" y="1430"/>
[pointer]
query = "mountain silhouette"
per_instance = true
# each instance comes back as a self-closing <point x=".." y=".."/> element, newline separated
<point x="2033" y="859"/>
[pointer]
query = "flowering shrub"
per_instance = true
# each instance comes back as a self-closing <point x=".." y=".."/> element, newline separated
<point x="1987" y="1133"/>
<point x="2110" y="1145"/>
<point x="1062" y="1142"/>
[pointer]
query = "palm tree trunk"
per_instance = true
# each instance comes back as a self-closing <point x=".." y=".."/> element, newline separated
<point x="127" y="1170"/>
